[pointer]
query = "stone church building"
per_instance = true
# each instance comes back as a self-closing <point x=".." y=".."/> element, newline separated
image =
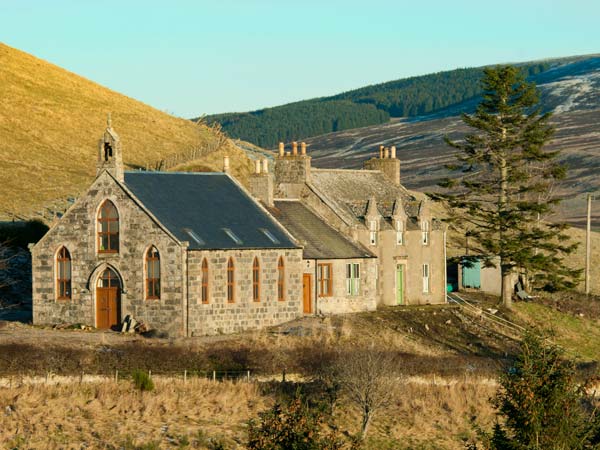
<point x="196" y="253"/>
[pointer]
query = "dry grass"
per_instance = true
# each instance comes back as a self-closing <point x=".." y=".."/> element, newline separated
<point x="423" y="414"/>
<point x="50" y="122"/>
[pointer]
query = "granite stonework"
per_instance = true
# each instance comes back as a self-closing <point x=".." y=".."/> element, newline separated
<point x="76" y="231"/>
<point x="218" y="316"/>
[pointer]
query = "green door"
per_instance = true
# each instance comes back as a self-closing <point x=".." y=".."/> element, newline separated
<point x="400" y="284"/>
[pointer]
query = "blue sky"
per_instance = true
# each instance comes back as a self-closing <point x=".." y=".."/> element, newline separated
<point x="195" y="57"/>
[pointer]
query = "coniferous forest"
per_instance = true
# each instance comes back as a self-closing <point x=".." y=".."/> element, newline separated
<point x="371" y="105"/>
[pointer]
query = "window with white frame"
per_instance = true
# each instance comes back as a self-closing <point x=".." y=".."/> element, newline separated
<point x="353" y="279"/>
<point x="399" y="232"/>
<point x="426" y="275"/>
<point x="425" y="232"/>
<point x="373" y="232"/>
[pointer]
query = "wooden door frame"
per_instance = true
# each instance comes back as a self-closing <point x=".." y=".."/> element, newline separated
<point x="403" y="266"/>
<point x="309" y="290"/>
<point x="93" y="288"/>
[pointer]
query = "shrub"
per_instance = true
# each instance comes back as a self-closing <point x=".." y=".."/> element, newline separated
<point x="142" y="380"/>
<point x="295" y="426"/>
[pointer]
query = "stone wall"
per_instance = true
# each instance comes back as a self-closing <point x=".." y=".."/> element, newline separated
<point x="218" y="316"/>
<point x="412" y="254"/>
<point x="76" y="230"/>
<point x="340" y="302"/>
<point x="291" y="174"/>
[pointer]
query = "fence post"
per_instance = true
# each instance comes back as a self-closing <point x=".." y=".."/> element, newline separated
<point x="248" y="376"/>
<point x="184" y="376"/>
<point x="214" y="376"/>
<point x="116" y="375"/>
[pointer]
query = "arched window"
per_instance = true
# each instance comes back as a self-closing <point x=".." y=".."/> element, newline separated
<point x="108" y="228"/>
<point x="256" y="280"/>
<point x="230" y="281"/>
<point x="152" y="274"/>
<point x="63" y="274"/>
<point x="280" y="280"/>
<point x="204" y="281"/>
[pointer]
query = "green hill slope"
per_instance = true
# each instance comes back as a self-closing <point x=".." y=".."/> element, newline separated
<point x="362" y="107"/>
<point x="50" y="122"/>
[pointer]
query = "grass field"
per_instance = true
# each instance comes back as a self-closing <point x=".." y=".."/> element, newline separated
<point x="50" y="123"/>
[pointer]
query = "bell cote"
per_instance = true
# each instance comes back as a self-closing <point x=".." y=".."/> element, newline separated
<point x="109" y="153"/>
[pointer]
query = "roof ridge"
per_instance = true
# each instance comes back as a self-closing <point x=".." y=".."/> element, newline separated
<point x="314" y="169"/>
<point x="162" y="172"/>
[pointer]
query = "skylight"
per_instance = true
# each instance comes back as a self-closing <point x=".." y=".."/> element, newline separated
<point x="268" y="234"/>
<point x="194" y="236"/>
<point x="233" y="236"/>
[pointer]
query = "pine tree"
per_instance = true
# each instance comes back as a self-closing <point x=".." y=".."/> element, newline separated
<point x="504" y="187"/>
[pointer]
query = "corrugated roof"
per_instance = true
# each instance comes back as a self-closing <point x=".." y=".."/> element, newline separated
<point x="207" y="209"/>
<point x="320" y="241"/>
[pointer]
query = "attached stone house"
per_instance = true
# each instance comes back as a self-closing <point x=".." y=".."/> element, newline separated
<point x="195" y="253"/>
<point x="188" y="254"/>
<point x="373" y="211"/>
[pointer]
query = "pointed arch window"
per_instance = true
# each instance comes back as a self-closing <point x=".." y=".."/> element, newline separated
<point x="152" y="274"/>
<point x="256" y="280"/>
<point x="230" y="281"/>
<point x="108" y="228"/>
<point x="204" y="288"/>
<point x="63" y="274"/>
<point x="280" y="279"/>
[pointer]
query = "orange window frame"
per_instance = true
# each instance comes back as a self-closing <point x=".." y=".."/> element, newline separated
<point x="325" y="281"/>
<point x="204" y="287"/>
<point x="230" y="281"/>
<point x="63" y="274"/>
<point x="104" y="227"/>
<point x="281" y="280"/>
<point x="152" y="281"/>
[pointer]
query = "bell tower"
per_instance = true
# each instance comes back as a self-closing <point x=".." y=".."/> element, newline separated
<point x="109" y="153"/>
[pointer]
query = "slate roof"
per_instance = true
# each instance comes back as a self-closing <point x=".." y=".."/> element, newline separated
<point x="349" y="191"/>
<point x="206" y="204"/>
<point x="320" y="241"/>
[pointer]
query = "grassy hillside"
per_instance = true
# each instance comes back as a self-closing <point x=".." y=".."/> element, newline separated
<point x="50" y="122"/>
<point x="370" y="105"/>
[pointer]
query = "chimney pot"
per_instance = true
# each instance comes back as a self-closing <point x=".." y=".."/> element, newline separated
<point x="281" y="149"/>
<point x="303" y="148"/>
<point x="386" y="153"/>
<point x="257" y="166"/>
<point x="294" y="148"/>
<point x="265" y="165"/>
<point x="393" y="151"/>
<point x="226" y="164"/>
<point x="381" y="152"/>
<point x="288" y="153"/>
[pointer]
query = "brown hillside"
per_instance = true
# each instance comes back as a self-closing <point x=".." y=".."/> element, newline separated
<point x="50" y="121"/>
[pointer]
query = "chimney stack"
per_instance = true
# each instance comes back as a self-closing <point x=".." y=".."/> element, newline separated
<point x="393" y="151"/>
<point x="281" y="149"/>
<point x="257" y="166"/>
<point x="265" y="166"/>
<point x="381" y="152"/>
<point x="295" y="148"/>
<point x="303" y="148"/>
<point x="226" y="163"/>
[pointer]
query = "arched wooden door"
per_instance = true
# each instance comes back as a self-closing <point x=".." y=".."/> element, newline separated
<point x="108" y="300"/>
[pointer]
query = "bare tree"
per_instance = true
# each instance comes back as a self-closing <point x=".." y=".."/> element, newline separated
<point x="368" y="378"/>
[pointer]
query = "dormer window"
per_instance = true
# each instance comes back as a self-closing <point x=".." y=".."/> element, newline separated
<point x="425" y="232"/>
<point x="399" y="232"/>
<point x="108" y="228"/>
<point x="373" y="232"/>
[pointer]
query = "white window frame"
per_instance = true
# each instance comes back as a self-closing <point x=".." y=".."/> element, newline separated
<point x="399" y="232"/>
<point x="425" y="232"/>
<point x="373" y="232"/>
<point x="426" y="278"/>
<point x="353" y="279"/>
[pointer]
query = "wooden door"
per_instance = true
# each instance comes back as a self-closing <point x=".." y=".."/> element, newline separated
<point x="108" y="302"/>
<point x="306" y="290"/>
<point x="400" y="284"/>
